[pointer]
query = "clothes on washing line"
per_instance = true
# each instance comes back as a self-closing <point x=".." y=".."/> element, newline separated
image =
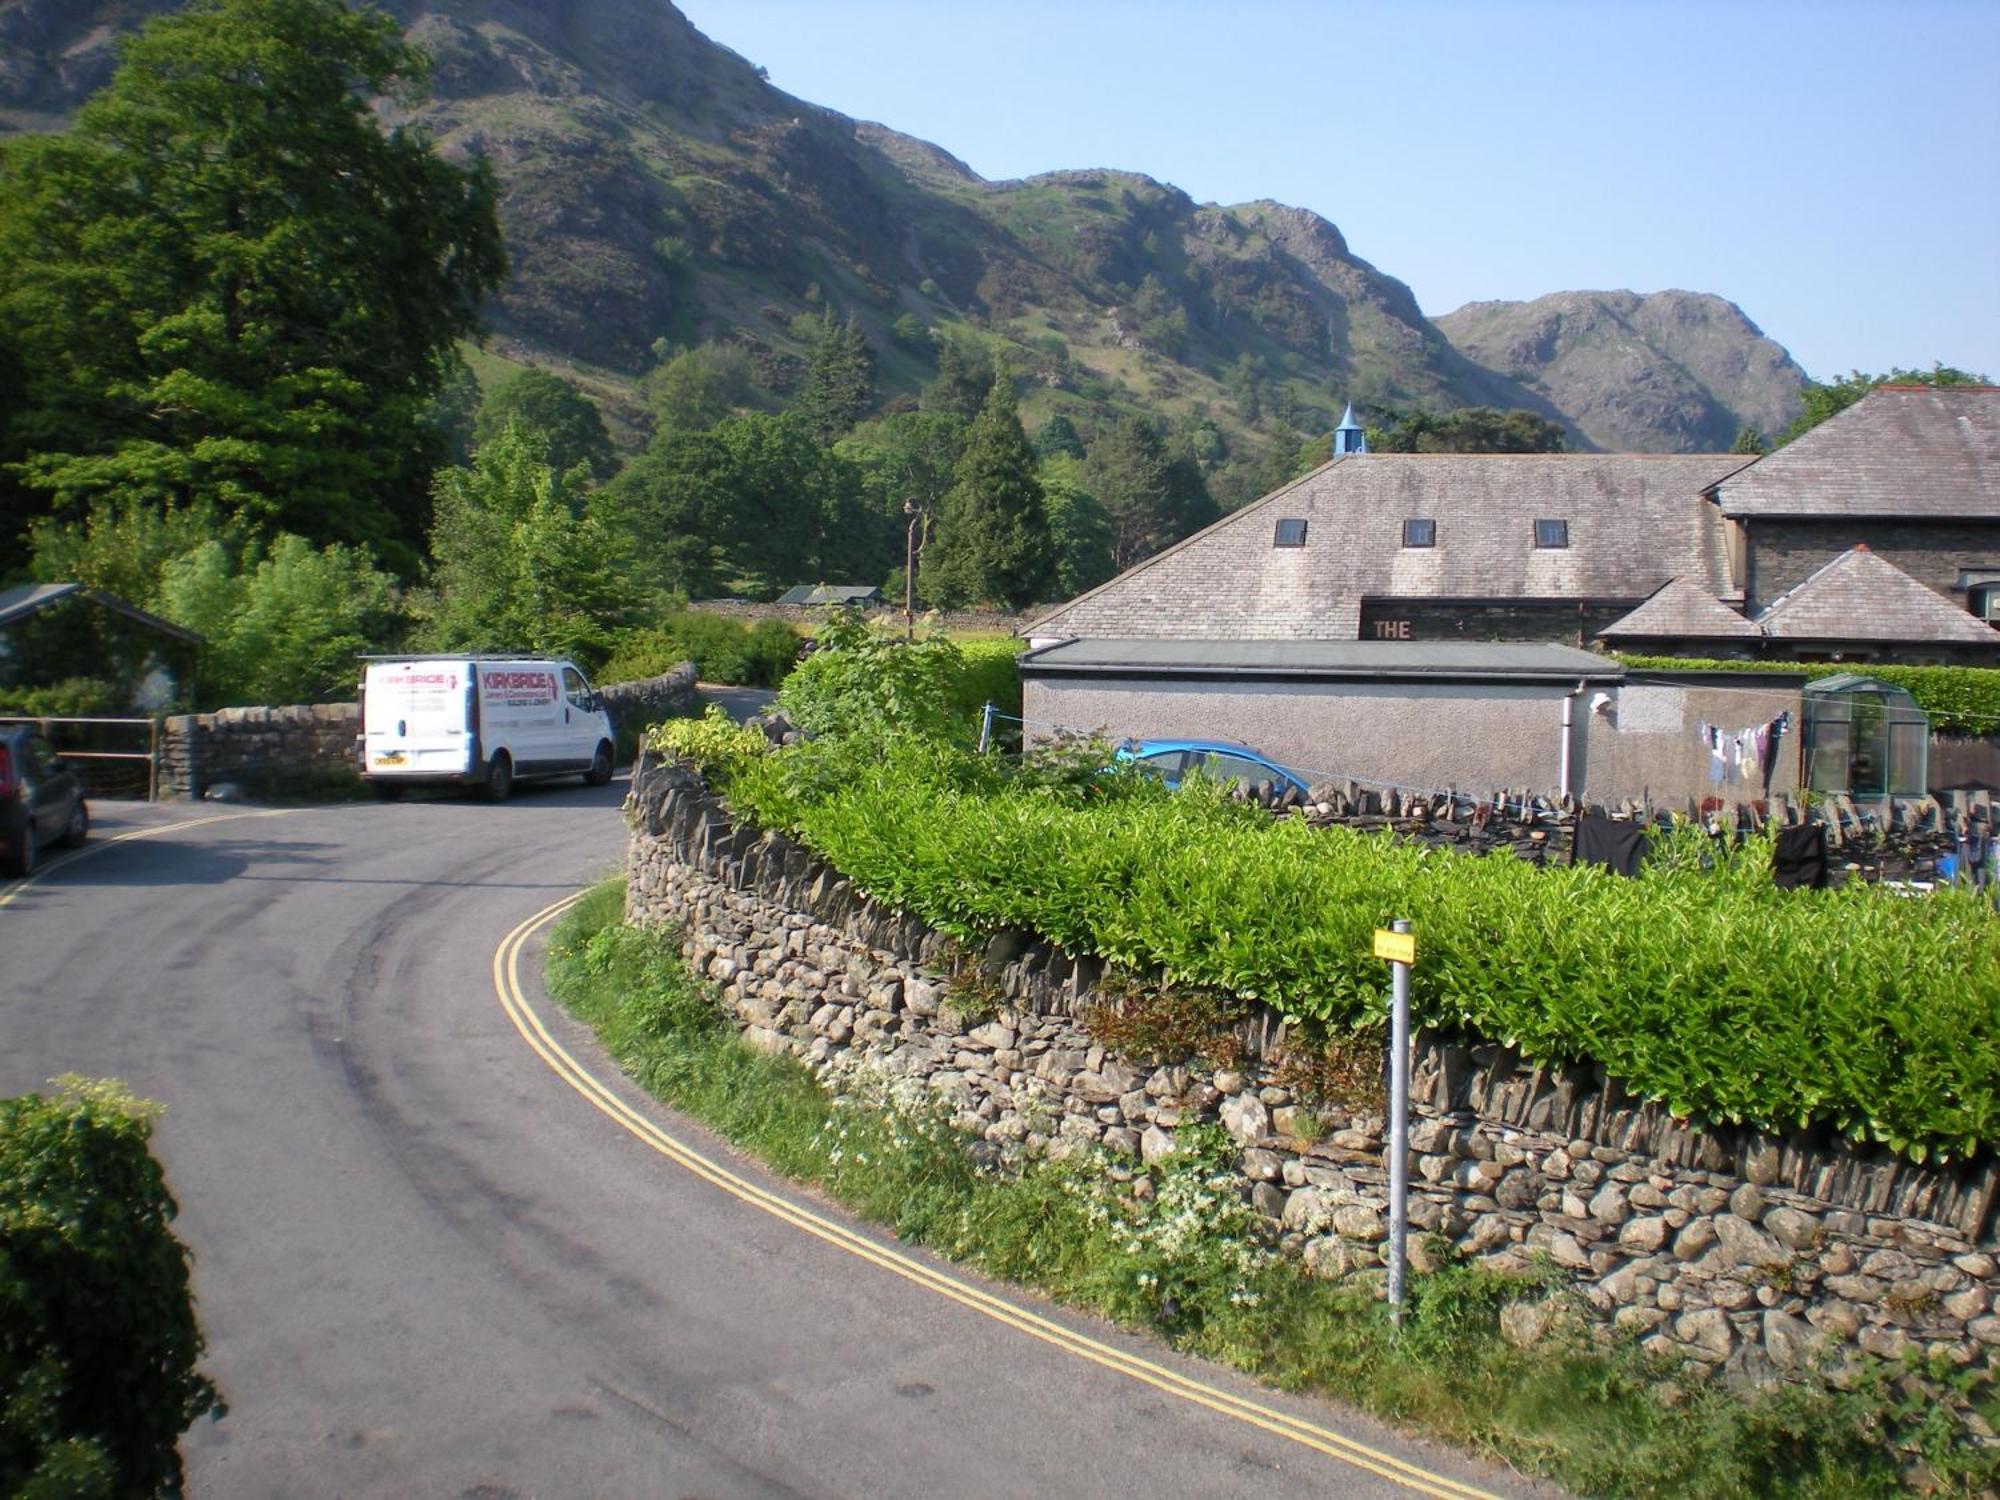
<point x="1608" y="842"/>
<point x="1747" y="753"/>
<point x="1800" y="857"/>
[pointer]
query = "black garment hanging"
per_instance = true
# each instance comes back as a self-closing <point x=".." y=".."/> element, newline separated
<point x="1800" y="857"/>
<point x="1605" y="841"/>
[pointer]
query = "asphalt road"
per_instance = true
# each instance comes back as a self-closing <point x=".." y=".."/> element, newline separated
<point x="428" y="1265"/>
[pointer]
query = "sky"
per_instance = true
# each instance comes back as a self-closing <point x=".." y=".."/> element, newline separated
<point x="1832" y="168"/>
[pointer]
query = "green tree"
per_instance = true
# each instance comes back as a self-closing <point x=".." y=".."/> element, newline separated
<point x="868" y="681"/>
<point x="698" y="387"/>
<point x="1128" y="473"/>
<point x="964" y="376"/>
<point x="1079" y="534"/>
<point x="1822" y="400"/>
<point x="992" y="540"/>
<point x="562" y="414"/>
<point x="1750" y="441"/>
<point x="840" y="378"/>
<point x="98" y="1338"/>
<point x="672" y="509"/>
<point x="1058" y="436"/>
<point x="229" y="283"/>
<point x="283" y="625"/>
<point x="516" y="563"/>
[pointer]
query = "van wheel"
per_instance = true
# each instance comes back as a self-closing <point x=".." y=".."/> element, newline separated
<point x="78" y="827"/>
<point x="600" y="765"/>
<point x="499" y="777"/>
<point x="387" y="791"/>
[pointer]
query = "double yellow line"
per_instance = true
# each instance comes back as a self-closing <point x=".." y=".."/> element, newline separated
<point x="507" y="983"/>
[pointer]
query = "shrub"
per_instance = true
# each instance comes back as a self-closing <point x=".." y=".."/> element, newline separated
<point x="1959" y="700"/>
<point x="867" y="680"/>
<point x="98" y="1339"/>
<point x="987" y="673"/>
<point x="715" y="744"/>
<point x="72" y="698"/>
<point x="1699" y="984"/>
<point x="722" y="650"/>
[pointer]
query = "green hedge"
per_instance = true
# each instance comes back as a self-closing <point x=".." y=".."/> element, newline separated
<point x="1706" y="988"/>
<point x="1959" y="700"/>
<point x="722" y="650"/>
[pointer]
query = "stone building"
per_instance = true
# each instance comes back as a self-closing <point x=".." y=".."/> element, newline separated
<point x="1876" y="537"/>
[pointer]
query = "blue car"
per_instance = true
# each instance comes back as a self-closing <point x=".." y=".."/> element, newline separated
<point x="1220" y="760"/>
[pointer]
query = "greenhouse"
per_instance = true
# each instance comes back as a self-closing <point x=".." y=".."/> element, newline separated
<point x="1865" y="738"/>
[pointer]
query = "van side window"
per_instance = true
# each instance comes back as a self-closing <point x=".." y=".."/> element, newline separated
<point x="575" y="688"/>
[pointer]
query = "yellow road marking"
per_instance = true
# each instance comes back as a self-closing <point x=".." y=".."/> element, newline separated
<point x="10" y="892"/>
<point x="507" y="984"/>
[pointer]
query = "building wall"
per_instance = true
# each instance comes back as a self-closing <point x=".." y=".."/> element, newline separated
<point x="1645" y="744"/>
<point x="1429" y="736"/>
<point x="1782" y="554"/>
<point x="1645" y="741"/>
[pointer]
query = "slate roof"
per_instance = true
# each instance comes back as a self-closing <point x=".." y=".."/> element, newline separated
<point x="1635" y="521"/>
<point x="31" y="598"/>
<point x="830" y="593"/>
<point x="1510" y="661"/>
<point x="1860" y="596"/>
<point x="1912" y="451"/>
<point x="1682" y="609"/>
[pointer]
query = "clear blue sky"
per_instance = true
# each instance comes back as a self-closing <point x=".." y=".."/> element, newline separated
<point x="1832" y="168"/>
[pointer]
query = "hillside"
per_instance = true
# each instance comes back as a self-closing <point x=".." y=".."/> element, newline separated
<point x="1669" y="372"/>
<point x="658" y="192"/>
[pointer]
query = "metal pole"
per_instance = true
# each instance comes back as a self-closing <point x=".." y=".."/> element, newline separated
<point x="910" y="572"/>
<point x="1398" y="1143"/>
<point x="985" y="728"/>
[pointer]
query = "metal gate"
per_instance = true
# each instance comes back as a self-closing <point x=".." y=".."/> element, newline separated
<point x="117" y="758"/>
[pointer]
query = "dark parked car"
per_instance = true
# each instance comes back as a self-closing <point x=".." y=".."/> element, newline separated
<point x="41" y="800"/>
<point x="1220" y="760"/>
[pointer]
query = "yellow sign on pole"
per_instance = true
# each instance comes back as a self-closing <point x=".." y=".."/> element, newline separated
<point x="1396" y="947"/>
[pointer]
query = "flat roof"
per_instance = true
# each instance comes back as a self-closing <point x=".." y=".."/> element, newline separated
<point x="1532" y="661"/>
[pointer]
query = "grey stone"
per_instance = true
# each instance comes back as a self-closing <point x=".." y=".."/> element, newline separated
<point x="1745" y="1244"/>
<point x="1789" y="1341"/>
<point x="1793" y="1228"/>
<point x="920" y="997"/>
<point x="1228" y="1082"/>
<point x="1268" y="1200"/>
<point x="1707" y="1331"/>
<point x="1262" y="1166"/>
<point x="1863" y="1289"/>
<point x="1356" y="1221"/>
<point x="1245" y="1118"/>
<point x="1692" y="1241"/>
<point x="1986" y="1330"/>
<point x="1307" y="1210"/>
<point x="1122" y="1141"/>
<point x="1608" y="1205"/>
<point x="1644" y="1235"/>
<point x="1155" y="1144"/>
<point x="992" y="1036"/>
<point x="1731" y="1294"/>
<point x="1561" y="1246"/>
<point x="1526" y="1324"/>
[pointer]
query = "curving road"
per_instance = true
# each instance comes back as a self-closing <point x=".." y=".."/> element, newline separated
<point x="428" y="1264"/>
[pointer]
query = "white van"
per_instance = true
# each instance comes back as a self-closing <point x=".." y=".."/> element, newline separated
<point x="479" y="720"/>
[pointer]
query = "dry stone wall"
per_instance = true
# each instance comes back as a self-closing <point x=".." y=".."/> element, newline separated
<point x="252" y="746"/>
<point x="1742" y="1250"/>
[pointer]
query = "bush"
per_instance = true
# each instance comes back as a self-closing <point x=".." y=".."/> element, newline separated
<point x="72" y="698"/>
<point x="98" y="1339"/>
<point x="868" y="681"/>
<point x="1699" y="984"/>
<point x="722" y="650"/>
<point x="1959" y="700"/>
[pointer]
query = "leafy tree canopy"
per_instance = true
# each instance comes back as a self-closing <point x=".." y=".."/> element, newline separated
<point x="1470" y="429"/>
<point x="1153" y="493"/>
<point x="698" y="387"/>
<point x="230" y="284"/>
<point x="1079" y="535"/>
<point x="1058" y="436"/>
<point x="556" y="409"/>
<point x="992" y="540"/>
<point x="517" y="565"/>
<point x="1821" y="401"/>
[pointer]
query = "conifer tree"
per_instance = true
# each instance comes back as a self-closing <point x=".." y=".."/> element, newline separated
<point x="840" y="379"/>
<point x="992" y="541"/>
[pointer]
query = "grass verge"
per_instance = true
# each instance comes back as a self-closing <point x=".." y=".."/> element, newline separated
<point x="1173" y="1249"/>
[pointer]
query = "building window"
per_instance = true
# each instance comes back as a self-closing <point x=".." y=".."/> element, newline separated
<point x="1291" y="533"/>
<point x="1420" y="533"/>
<point x="1551" y="533"/>
<point x="1985" y="601"/>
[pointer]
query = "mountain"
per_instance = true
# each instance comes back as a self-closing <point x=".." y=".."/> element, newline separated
<point x="658" y="192"/>
<point x="1668" y="372"/>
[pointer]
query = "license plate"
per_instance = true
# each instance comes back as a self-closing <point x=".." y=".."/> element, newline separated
<point x="389" y="758"/>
